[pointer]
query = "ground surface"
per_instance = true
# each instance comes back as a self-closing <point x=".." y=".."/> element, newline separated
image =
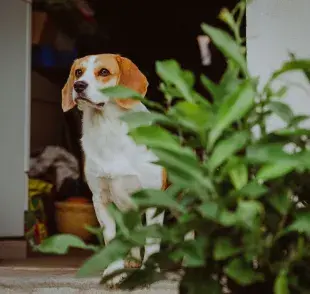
<point x="56" y="275"/>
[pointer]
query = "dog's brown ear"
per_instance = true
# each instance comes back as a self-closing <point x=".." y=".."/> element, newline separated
<point x="67" y="102"/>
<point x="132" y="78"/>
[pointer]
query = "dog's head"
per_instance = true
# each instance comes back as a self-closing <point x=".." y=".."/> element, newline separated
<point x="90" y="74"/>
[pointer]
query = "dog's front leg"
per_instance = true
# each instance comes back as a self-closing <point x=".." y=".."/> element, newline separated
<point x="153" y="245"/>
<point x="109" y="234"/>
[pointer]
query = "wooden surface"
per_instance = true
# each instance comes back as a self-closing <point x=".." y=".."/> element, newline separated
<point x="13" y="249"/>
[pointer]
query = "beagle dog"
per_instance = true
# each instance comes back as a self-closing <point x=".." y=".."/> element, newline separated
<point x="115" y="166"/>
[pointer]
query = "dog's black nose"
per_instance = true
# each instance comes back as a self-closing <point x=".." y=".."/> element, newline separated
<point x="80" y="86"/>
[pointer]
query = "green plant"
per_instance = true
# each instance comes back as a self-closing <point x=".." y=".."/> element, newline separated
<point x="245" y="195"/>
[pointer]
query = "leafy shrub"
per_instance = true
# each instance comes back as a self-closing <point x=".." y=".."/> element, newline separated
<point x="245" y="195"/>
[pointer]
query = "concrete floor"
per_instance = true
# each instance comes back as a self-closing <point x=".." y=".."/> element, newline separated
<point x="50" y="275"/>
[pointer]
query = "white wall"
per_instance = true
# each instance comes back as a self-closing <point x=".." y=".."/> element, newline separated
<point x="275" y="28"/>
<point x="14" y="114"/>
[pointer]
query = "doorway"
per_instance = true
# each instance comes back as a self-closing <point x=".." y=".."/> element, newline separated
<point x="62" y="32"/>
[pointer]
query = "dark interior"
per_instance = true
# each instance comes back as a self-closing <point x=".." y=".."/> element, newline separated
<point x="144" y="31"/>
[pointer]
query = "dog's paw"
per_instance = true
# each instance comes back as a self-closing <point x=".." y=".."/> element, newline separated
<point x="114" y="268"/>
<point x="114" y="282"/>
<point x="132" y="263"/>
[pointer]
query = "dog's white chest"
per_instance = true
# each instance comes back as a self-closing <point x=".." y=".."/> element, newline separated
<point x="110" y="152"/>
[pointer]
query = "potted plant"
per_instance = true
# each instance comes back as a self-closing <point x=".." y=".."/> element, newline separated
<point x="245" y="196"/>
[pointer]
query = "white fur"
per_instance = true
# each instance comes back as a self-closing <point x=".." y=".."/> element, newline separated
<point x="115" y="166"/>
<point x="94" y="85"/>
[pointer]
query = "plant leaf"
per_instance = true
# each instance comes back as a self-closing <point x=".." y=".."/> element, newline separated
<point x="141" y="118"/>
<point x="226" y="148"/>
<point x="239" y="175"/>
<point x="226" y="45"/>
<point x="280" y="202"/>
<point x="292" y="132"/>
<point x="121" y="92"/>
<point x="224" y="248"/>
<point x="125" y="221"/>
<point x="296" y="120"/>
<point x="242" y="273"/>
<point x="282" y="110"/>
<point x="232" y="109"/>
<point x="171" y="72"/>
<point x="114" y="251"/>
<point x="192" y="252"/>
<point x="191" y="115"/>
<point x="275" y="170"/>
<point x="215" y="90"/>
<point x="60" y="244"/>
<point x="186" y="172"/>
<point x="253" y="190"/>
<point x="226" y="16"/>
<point x="154" y="136"/>
<point x="300" y="64"/>
<point x="249" y="213"/>
<point x="267" y="153"/>
<point x="301" y="223"/>
<point x="157" y="198"/>
<point x="212" y="211"/>
<point x="281" y="283"/>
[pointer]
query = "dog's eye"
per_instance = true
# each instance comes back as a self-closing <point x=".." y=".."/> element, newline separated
<point x="104" y="72"/>
<point x="78" y="73"/>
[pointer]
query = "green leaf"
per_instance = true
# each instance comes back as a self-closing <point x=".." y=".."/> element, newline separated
<point x="275" y="170"/>
<point x="226" y="45"/>
<point x="139" y="118"/>
<point x="230" y="81"/>
<point x="267" y="153"/>
<point x="114" y="251"/>
<point x="170" y="91"/>
<point x="171" y="72"/>
<point x="292" y="132"/>
<point x="301" y="64"/>
<point x="239" y="175"/>
<point x="253" y="190"/>
<point x="280" y="92"/>
<point x="305" y="71"/>
<point x="186" y="172"/>
<point x="192" y="252"/>
<point x="242" y="273"/>
<point x="249" y="213"/>
<point x="215" y="90"/>
<point x="98" y="232"/>
<point x="212" y="211"/>
<point x="190" y="115"/>
<point x="125" y="221"/>
<point x="301" y="224"/>
<point x="224" y="248"/>
<point x="228" y="18"/>
<point x="282" y="110"/>
<point x="232" y="109"/>
<point x="189" y="77"/>
<point x="121" y="92"/>
<point x="157" y="198"/>
<point x="154" y="136"/>
<point x="139" y="235"/>
<point x="226" y="148"/>
<point x="280" y="202"/>
<point x="60" y="244"/>
<point x="281" y="283"/>
<point x="296" y="120"/>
